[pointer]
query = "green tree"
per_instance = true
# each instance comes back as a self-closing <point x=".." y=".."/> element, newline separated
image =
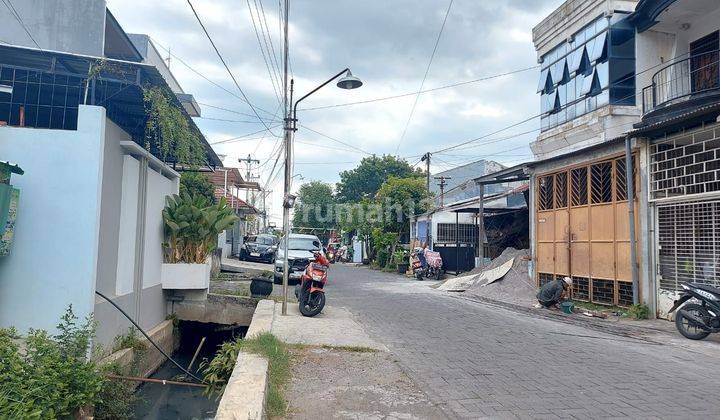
<point x="402" y="198"/>
<point x="365" y="180"/>
<point x="315" y="206"/>
<point x="197" y="183"/>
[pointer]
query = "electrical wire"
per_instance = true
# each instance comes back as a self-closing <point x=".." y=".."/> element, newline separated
<point x="269" y="37"/>
<point x="18" y="18"/>
<point x="232" y="76"/>
<point x="336" y="140"/>
<point x="233" y="139"/>
<point x="405" y="95"/>
<point x="427" y="70"/>
<point x="271" y="73"/>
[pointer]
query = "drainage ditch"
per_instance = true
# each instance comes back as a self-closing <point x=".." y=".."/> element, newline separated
<point x="158" y="401"/>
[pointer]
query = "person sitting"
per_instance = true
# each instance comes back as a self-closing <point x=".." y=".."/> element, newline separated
<point x="550" y="294"/>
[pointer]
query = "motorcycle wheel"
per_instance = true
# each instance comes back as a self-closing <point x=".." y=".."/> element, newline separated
<point x="419" y="275"/>
<point x="686" y="328"/>
<point x="438" y="274"/>
<point x="311" y="309"/>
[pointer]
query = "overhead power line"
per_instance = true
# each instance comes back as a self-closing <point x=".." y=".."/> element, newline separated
<point x="405" y="95"/>
<point x="271" y="72"/>
<point x="232" y="139"/>
<point x="335" y="140"/>
<point x="427" y="70"/>
<point x="232" y="76"/>
<point x="18" y="18"/>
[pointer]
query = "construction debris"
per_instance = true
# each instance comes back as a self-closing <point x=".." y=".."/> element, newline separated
<point x="515" y="286"/>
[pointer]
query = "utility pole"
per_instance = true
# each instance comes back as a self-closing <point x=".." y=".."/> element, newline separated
<point x="264" y="196"/>
<point x="442" y="183"/>
<point x="288" y="163"/>
<point x="248" y="165"/>
<point x="426" y="159"/>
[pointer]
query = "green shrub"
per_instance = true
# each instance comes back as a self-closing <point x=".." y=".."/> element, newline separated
<point x="639" y="311"/>
<point x="217" y="372"/>
<point x="115" y="397"/>
<point x="192" y="226"/>
<point x="50" y="376"/>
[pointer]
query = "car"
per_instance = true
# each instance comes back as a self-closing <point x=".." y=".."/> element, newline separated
<point x="301" y="252"/>
<point x="261" y="248"/>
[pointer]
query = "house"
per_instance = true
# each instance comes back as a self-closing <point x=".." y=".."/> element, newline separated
<point x="459" y="184"/>
<point x="580" y="225"/>
<point x="89" y="218"/>
<point x="678" y="92"/>
<point x="454" y="229"/>
<point x="228" y="183"/>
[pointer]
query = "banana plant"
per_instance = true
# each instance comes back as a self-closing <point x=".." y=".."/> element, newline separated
<point x="192" y="226"/>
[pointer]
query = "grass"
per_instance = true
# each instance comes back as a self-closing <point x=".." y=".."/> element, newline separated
<point x="236" y="292"/>
<point x="279" y="360"/>
<point x="634" y="311"/>
<point x="217" y="372"/>
<point x="351" y="349"/>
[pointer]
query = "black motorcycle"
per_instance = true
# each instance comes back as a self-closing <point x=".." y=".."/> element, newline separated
<point x="697" y="320"/>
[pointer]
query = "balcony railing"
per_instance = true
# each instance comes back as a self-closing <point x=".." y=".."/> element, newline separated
<point x="682" y="80"/>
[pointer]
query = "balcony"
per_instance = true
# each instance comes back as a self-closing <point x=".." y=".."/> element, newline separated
<point x="686" y="83"/>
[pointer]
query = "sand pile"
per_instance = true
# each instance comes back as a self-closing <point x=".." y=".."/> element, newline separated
<point x="515" y="287"/>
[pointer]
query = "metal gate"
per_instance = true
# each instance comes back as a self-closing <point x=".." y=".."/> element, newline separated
<point x="688" y="244"/>
<point x="582" y="231"/>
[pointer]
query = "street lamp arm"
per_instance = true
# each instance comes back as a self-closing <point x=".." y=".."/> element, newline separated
<point x="313" y="91"/>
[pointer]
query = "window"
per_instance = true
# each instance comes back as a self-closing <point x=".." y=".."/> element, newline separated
<point x="544" y="84"/>
<point x="621" y="179"/>
<point x="598" y="51"/>
<point x="601" y="182"/>
<point x="446" y="233"/>
<point x="561" y="190"/>
<point x="545" y="192"/>
<point x="579" y="186"/>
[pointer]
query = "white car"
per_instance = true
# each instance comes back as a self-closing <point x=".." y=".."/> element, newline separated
<point x="301" y="249"/>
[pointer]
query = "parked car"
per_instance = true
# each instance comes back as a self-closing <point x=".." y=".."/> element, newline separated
<point x="260" y="248"/>
<point x="301" y="249"/>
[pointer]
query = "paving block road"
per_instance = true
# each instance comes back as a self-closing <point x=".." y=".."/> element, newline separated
<point x="475" y="360"/>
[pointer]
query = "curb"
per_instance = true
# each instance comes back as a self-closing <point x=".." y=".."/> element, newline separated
<point x="246" y="391"/>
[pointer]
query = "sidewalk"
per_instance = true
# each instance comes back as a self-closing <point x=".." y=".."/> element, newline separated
<point x="347" y="373"/>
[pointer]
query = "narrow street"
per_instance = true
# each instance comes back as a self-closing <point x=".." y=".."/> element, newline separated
<point x="475" y="360"/>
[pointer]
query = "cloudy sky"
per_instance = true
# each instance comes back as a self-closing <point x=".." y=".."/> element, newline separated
<point x="386" y="43"/>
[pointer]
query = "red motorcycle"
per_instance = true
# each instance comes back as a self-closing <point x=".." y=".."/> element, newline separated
<point x="310" y="292"/>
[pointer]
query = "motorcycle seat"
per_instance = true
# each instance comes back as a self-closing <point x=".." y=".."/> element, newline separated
<point x="705" y="287"/>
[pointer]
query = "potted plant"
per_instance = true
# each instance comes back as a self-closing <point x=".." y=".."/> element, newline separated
<point x="402" y="261"/>
<point x="192" y="226"/>
<point x="261" y="286"/>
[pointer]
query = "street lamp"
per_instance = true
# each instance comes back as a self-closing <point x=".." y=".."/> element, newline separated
<point x="348" y="81"/>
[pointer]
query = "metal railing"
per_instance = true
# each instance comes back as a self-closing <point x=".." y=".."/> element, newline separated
<point x="682" y="80"/>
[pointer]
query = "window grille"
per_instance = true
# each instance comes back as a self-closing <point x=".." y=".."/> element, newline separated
<point x="686" y="164"/>
<point x="621" y="178"/>
<point x="579" y="187"/>
<point x="601" y="182"/>
<point x="603" y="291"/>
<point x="40" y="99"/>
<point x="468" y="233"/>
<point x="581" y="288"/>
<point x="546" y="192"/>
<point x="544" y="278"/>
<point x="561" y="190"/>
<point x="689" y="244"/>
<point x="625" y="295"/>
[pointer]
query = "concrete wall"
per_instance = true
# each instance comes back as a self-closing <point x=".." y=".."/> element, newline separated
<point x="76" y="26"/>
<point x="129" y="267"/>
<point x="53" y="262"/>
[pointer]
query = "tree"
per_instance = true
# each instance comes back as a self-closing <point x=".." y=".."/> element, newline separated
<point x="197" y="183"/>
<point x="314" y="207"/>
<point x="365" y="180"/>
<point x="402" y="198"/>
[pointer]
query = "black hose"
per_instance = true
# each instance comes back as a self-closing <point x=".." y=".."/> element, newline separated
<point x="148" y="337"/>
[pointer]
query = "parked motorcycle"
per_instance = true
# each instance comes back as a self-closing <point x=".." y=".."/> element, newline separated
<point x="310" y="292"/>
<point x="697" y="320"/>
<point x="426" y="263"/>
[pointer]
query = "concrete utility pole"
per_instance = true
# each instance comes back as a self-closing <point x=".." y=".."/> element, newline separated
<point x="248" y="162"/>
<point x="288" y="163"/>
<point x="426" y="159"/>
<point x="264" y="196"/>
<point x="442" y="183"/>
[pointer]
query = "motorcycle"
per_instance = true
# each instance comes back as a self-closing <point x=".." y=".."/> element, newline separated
<point x="426" y="263"/>
<point x="310" y="292"/>
<point x="697" y="320"/>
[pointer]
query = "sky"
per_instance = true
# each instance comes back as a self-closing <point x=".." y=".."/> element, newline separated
<point x="388" y="45"/>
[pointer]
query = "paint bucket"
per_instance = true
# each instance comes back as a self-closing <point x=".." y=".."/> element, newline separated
<point x="567" y="307"/>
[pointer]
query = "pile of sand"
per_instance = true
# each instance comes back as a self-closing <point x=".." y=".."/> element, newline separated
<point x="515" y="287"/>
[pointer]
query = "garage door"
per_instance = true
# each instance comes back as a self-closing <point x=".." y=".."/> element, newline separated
<point x="582" y="230"/>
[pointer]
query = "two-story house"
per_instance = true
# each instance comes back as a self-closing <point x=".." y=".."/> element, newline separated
<point x="579" y="191"/>
<point x="678" y="46"/>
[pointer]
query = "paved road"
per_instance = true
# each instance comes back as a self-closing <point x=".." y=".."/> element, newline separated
<point x="478" y="361"/>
